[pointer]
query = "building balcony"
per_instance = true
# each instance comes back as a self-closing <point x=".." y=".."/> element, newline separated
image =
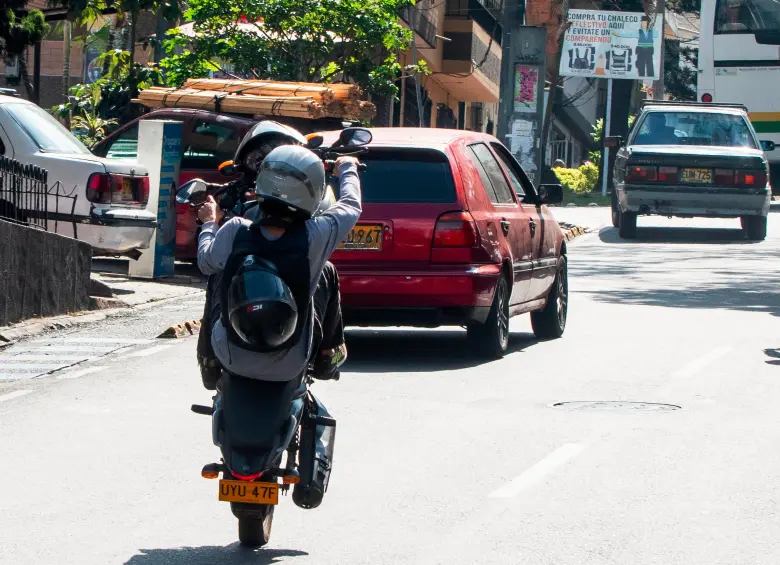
<point x="471" y="68"/>
<point x="487" y="13"/>
<point x="423" y="25"/>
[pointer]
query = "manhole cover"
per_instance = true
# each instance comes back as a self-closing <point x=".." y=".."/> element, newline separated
<point x="616" y="406"/>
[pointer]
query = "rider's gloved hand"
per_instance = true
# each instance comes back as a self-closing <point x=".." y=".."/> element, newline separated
<point x="210" y="211"/>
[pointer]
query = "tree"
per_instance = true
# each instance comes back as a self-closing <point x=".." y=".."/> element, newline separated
<point x="292" y="40"/>
<point x="680" y="64"/>
<point x="18" y="33"/>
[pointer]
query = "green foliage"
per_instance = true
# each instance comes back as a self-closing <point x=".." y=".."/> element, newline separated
<point x="17" y="33"/>
<point x="680" y="76"/>
<point x="580" y="180"/>
<point x="597" y="133"/>
<point x="298" y="40"/>
<point x="96" y="108"/>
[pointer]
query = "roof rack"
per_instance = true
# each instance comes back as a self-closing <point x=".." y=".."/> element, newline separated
<point x="695" y="104"/>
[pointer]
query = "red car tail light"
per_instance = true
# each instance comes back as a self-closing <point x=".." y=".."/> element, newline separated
<point x="455" y="229"/>
<point x="641" y="173"/>
<point x="105" y="188"/>
<point x="667" y="174"/>
<point x="724" y="176"/>
<point x="755" y="178"/>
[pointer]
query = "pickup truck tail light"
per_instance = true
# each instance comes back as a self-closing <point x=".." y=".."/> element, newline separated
<point x="641" y="173"/>
<point x="105" y="188"/>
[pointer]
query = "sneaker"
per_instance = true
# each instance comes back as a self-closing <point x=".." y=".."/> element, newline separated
<point x="327" y="363"/>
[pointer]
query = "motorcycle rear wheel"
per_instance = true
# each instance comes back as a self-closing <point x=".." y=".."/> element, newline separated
<point x="256" y="531"/>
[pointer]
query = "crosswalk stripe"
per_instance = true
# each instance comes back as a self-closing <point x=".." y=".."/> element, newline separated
<point x="52" y="358"/>
<point x="29" y="366"/>
<point x="95" y="340"/>
<point x="66" y="348"/>
<point x="149" y="351"/>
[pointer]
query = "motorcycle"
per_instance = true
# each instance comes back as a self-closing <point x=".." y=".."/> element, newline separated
<point x="272" y="435"/>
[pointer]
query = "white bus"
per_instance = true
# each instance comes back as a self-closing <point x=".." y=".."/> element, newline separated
<point x="739" y="62"/>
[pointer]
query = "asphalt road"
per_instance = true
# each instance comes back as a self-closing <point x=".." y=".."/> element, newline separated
<point x="441" y="458"/>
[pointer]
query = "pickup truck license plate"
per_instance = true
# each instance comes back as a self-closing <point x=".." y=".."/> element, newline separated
<point x="364" y="237"/>
<point x="696" y="176"/>
<point x="252" y="493"/>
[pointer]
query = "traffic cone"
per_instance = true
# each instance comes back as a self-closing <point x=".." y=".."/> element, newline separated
<point x="600" y="65"/>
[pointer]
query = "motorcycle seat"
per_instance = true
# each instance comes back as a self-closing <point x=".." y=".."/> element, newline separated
<point x="255" y="412"/>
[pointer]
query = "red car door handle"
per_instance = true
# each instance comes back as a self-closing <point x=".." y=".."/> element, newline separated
<point x="533" y="226"/>
<point x="505" y="226"/>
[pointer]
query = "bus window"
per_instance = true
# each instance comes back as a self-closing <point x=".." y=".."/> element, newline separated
<point x="747" y="16"/>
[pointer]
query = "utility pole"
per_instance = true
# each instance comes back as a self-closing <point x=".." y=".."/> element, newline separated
<point x="658" y="90"/>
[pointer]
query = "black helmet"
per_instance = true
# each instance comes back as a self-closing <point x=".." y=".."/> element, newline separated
<point x="261" y="307"/>
<point x="263" y="138"/>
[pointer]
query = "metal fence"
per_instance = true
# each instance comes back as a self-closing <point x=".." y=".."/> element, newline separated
<point x="24" y="193"/>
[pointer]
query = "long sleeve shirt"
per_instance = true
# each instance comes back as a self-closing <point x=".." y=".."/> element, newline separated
<point x="324" y="233"/>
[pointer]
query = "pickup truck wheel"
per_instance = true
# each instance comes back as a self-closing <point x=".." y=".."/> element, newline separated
<point x="550" y="323"/>
<point x="627" y="225"/>
<point x="491" y="339"/>
<point x="754" y="227"/>
<point x="615" y="211"/>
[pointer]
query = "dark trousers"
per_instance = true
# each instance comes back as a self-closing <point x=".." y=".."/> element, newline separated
<point x="644" y="61"/>
<point x="328" y="323"/>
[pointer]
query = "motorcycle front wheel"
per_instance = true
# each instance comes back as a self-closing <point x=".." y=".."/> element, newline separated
<point x="256" y="531"/>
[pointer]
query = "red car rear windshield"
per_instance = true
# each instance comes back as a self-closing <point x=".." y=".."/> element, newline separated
<point x="406" y="176"/>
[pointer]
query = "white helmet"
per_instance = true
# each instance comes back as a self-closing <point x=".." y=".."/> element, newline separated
<point x="294" y="177"/>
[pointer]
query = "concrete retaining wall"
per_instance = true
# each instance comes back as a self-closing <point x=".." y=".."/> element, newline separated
<point x="41" y="274"/>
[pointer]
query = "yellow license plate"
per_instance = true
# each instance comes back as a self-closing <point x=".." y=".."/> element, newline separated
<point x="252" y="493"/>
<point x="364" y="236"/>
<point x="696" y="176"/>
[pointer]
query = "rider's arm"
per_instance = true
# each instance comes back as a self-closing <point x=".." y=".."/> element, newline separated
<point x="329" y="229"/>
<point x="215" y="245"/>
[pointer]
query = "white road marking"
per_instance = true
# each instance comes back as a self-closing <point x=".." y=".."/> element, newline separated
<point x="81" y="373"/>
<point x="15" y="394"/>
<point x="66" y="348"/>
<point x="701" y="363"/>
<point x="52" y="358"/>
<point x="535" y="473"/>
<point x="95" y="340"/>
<point x="30" y="366"/>
<point x="149" y="351"/>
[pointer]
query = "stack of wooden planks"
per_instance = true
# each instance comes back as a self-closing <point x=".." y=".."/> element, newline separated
<point x="263" y="98"/>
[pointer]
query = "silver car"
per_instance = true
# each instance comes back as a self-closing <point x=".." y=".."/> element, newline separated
<point x="691" y="160"/>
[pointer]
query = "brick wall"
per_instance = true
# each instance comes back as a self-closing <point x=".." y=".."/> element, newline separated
<point x="546" y="13"/>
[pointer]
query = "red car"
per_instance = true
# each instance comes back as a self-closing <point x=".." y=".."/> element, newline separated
<point x="453" y="233"/>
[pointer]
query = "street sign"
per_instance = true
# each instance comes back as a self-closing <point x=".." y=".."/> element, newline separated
<point x="605" y="44"/>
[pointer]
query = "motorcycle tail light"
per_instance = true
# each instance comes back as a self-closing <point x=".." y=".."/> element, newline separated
<point x="251" y="477"/>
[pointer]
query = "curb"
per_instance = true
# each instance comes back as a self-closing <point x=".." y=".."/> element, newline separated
<point x="31" y="328"/>
<point x="570" y="231"/>
<point x="184" y="329"/>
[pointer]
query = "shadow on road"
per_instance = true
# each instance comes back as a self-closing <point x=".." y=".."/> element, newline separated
<point x="774" y="354"/>
<point x="377" y="351"/>
<point x="677" y="235"/>
<point x="232" y="554"/>
<point x="732" y="274"/>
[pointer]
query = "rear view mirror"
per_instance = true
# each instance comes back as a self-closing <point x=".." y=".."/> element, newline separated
<point x="195" y="192"/>
<point x="613" y="141"/>
<point x="314" y="141"/>
<point x="767" y="145"/>
<point x="551" y="193"/>
<point x="228" y="169"/>
<point x="354" y="137"/>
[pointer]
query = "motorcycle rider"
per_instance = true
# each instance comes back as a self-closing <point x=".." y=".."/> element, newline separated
<point x="297" y="244"/>
<point x="238" y="199"/>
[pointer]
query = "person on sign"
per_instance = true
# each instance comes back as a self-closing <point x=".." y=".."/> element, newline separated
<point x="644" y="47"/>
